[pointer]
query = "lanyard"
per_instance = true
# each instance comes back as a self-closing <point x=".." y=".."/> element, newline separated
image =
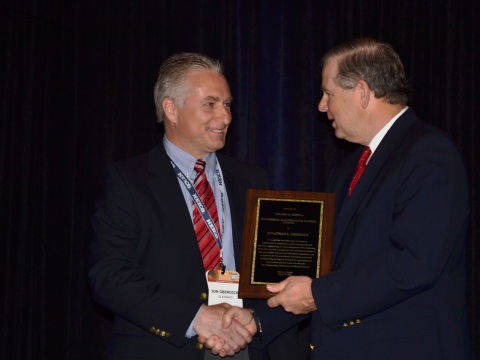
<point x="196" y="198"/>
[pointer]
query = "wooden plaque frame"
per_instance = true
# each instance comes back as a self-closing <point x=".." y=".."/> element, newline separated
<point x="285" y="250"/>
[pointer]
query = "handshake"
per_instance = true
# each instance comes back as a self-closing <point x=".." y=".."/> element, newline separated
<point x="226" y="329"/>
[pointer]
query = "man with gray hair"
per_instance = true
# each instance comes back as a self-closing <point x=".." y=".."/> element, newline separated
<point x="167" y="217"/>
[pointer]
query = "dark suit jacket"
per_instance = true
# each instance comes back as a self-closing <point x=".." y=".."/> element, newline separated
<point x="397" y="289"/>
<point x="147" y="267"/>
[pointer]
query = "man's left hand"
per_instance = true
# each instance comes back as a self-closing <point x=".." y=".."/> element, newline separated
<point x="294" y="294"/>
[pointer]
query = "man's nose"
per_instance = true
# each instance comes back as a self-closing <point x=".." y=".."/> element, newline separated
<point x="322" y="105"/>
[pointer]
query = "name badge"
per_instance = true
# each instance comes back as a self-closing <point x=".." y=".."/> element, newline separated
<point x="223" y="288"/>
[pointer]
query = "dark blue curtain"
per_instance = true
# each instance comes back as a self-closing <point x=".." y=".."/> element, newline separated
<point x="76" y="92"/>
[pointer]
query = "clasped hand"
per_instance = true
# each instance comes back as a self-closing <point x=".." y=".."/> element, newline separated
<point x="236" y="326"/>
<point x="224" y="334"/>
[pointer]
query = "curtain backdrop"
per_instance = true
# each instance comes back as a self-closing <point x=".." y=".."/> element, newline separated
<point x="76" y="86"/>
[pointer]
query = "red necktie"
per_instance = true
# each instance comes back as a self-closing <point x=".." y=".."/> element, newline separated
<point x="206" y="241"/>
<point x="362" y="163"/>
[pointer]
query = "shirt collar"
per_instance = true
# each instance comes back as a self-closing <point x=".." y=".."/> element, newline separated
<point x="381" y="134"/>
<point x="186" y="162"/>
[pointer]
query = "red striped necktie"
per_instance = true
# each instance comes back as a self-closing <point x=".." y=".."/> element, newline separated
<point x="362" y="163"/>
<point x="207" y="243"/>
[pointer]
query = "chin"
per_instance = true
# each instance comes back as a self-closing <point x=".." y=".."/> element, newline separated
<point x="217" y="145"/>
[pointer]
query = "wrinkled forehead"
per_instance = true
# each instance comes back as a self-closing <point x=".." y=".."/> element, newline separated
<point x="207" y="86"/>
<point x="330" y="66"/>
<point x="329" y="72"/>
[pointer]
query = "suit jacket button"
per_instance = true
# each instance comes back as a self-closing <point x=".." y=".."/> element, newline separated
<point x="203" y="296"/>
<point x="152" y="329"/>
<point x="344" y="324"/>
<point x="199" y="346"/>
<point x="351" y="323"/>
<point x="312" y="347"/>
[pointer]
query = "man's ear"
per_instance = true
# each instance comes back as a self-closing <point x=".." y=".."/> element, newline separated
<point x="170" y="109"/>
<point x="365" y="93"/>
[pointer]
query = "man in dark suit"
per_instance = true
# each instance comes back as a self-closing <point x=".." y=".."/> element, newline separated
<point x="146" y="264"/>
<point x="397" y="287"/>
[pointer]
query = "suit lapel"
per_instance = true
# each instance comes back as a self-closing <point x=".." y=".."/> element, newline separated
<point x="381" y="156"/>
<point x="166" y="190"/>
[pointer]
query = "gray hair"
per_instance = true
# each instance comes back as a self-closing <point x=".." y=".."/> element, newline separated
<point x="376" y="63"/>
<point x="171" y="82"/>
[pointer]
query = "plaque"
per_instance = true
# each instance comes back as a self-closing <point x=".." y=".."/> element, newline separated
<point x="285" y="233"/>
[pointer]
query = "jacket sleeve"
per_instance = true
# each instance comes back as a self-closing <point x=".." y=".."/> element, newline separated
<point x="123" y="277"/>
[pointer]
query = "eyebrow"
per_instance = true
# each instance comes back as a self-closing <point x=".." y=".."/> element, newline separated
<point x="217" y="99"/>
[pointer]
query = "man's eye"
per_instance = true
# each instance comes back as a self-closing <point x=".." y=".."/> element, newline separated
<point x="228" y="105"/>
